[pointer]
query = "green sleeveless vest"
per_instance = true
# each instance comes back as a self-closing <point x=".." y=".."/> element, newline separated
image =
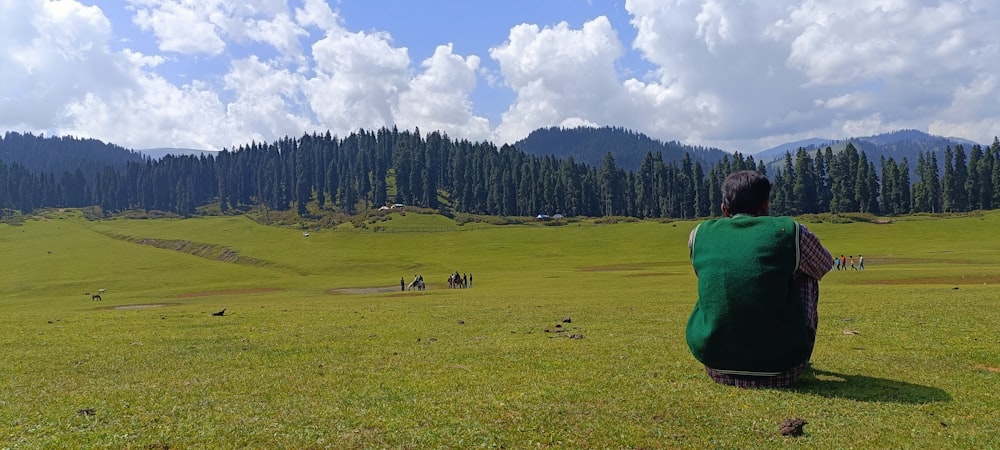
<point x="749" y="317"/>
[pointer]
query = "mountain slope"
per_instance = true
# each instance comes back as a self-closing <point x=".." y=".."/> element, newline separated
<point x="589" y="145"/>
<point x="63" y="154"/>
<point x="896" y="145"/>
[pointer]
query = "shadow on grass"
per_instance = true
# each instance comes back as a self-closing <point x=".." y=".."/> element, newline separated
<point x="867" y="389"/>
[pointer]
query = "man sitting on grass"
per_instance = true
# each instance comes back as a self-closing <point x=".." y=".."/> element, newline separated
<point x="754" y="324"/>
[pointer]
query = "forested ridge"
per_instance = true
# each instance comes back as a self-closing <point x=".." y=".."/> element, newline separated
<point x="589" y="145"/>
<point x="368" y="169"/>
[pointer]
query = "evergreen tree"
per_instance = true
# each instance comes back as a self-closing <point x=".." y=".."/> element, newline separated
<point x="862" y="194"/>
<point x="961" y="196"/>
<point x="703" y="205"/>
<point x="805" y="190"/>
<point x="975" y="180"/>
<point x="780" y="195"/>
<point x="686" y="187"/>
<point x="789" y="204"/>
<point x="903" y="185"/>
<point x="888" y="192"/>
<point x="646" y="187"/>
<point x="822" y="173"/>
<point x="994" y="157"/>
<point x="934" y="184"/>
<point x="949" y="182"/>
<point x="607" y="176"/>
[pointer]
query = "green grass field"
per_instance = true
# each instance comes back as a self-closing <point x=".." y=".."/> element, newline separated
<point x="319" y="349"/>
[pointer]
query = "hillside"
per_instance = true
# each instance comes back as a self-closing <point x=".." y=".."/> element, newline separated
<point x="158" y="153"/>
<point x="896" y="145"/>
<point x="589" y="146"/>
<point x="57" y="155"/>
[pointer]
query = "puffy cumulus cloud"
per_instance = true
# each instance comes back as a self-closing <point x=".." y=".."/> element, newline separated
<point x="745" y="75"/>
<point x="268" y="100"/>
<point x="154" y="111"/>
<point x="62" y="77"/>
<point x="179" y="27"/>
<point x="738" y="75"/>
<point x="438" y="98"/>
<point x="52" y="52"/>
<point x="560" y="75"/>
<point x="192" y="27"/>
<point x="317" y="13"/>
<point x="359" y="77"/>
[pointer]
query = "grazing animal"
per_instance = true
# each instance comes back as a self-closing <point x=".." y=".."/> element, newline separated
<point x="455" y="281"/>
<point x="95" y="298"/>
<point x="220" y="313"/>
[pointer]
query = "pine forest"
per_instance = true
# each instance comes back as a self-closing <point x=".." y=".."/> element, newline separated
<point x="369" y="169"/>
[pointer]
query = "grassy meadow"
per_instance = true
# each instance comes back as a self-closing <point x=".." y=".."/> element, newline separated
<point x="570" y="337"/>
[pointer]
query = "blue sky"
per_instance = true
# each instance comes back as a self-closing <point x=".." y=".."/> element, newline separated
<point x="212" y="74"/>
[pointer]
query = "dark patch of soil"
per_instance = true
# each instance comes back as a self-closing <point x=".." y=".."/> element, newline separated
<point x="366" y="290"/>
<point x="226" y="292"/>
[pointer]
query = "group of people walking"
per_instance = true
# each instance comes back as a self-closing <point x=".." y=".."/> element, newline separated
<point x="840" y="263"/>
<point x="457" y="280"/>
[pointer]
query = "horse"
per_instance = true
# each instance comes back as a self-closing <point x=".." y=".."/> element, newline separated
<point x="95" y="298"/>
<point x="417" y="284"/>
<point x="455" y="281"/>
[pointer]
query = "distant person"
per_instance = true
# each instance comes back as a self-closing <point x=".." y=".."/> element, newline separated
<point x="402" y="284"/>
<point x="843" y="262"/>
<point x="754" y="324"/>
<point x="853" y="267"/>
<point x="836" y="263"/>
<point x="465" y="281"/>
<point x="470" y="279"/>
<point x="861" y="262"/>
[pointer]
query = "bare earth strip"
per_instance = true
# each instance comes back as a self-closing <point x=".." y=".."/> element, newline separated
<point x="369" y="290"/>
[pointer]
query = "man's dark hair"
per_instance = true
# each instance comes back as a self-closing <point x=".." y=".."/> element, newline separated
<point x="745" y="192"/>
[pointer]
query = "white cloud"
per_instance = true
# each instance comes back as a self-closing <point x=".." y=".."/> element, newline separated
<point x="267" y="97"/>
<point x="206" y="27"/>
<point x="359" y="77"/>
<point x="52" y="52"/>
<point x="811" y="68"/>
<point x="181" y="27"/>
<point x="317" y="13"/>
<point x="438" y="98"/>
<point x="559" y="75"/>
<point x="739" y="75"/>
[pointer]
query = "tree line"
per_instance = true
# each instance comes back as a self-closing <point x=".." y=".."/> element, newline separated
<point x="367" y="169"/>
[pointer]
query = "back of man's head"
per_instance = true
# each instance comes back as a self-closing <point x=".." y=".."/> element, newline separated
<point x="746" y="192"/>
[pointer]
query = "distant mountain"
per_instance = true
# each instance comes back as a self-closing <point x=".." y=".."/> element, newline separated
<point x="589" y="145"/>
<point x="63" y="154"/>
<point x="792" y="147"/>
<point x="896" y="145"/>
<point x="157" y="153"/>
